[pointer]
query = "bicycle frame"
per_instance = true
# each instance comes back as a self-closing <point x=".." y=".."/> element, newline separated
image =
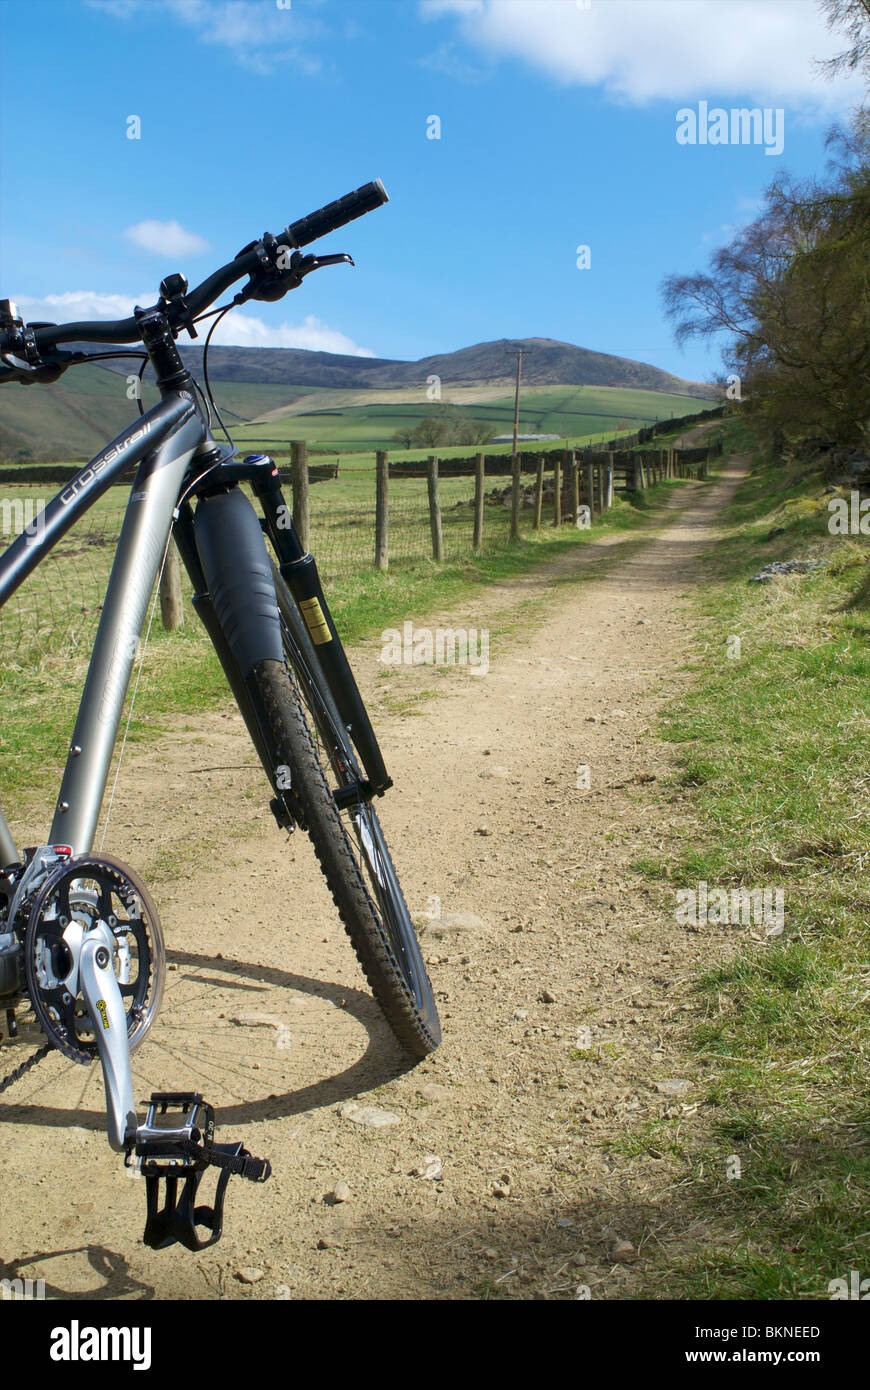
<point x="224" y="550"/>
<point x="162" y="443"/>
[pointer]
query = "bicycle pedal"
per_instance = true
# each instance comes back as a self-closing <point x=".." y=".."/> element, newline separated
<point x="176" y="1144"/>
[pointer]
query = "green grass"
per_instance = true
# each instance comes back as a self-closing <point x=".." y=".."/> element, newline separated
<point x="773" y="754"/>
<point x="573" y="413"/>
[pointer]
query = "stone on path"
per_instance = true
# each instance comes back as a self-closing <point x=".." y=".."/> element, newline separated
<point x="368" y="1115"/>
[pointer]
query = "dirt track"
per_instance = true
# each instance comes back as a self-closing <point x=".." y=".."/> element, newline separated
<point x="267" y="1013"/>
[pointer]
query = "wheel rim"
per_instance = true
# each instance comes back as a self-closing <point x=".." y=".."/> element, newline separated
<point x="364" y="835"/>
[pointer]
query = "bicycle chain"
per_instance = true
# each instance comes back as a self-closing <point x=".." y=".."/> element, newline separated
<point x="22" y="1070"/>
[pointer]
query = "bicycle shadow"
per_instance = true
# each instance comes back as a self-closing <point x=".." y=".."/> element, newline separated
<point x="383" y="1058"/>
<point x="109" y="1265"/>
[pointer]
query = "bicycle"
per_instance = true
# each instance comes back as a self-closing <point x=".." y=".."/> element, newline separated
<point x="81" y="945"/>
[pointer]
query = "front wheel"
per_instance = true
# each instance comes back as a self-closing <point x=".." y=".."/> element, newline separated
<point x="349" y="845"/>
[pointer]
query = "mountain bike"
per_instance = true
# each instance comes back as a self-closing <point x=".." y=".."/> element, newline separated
<point x="82" y="955"/>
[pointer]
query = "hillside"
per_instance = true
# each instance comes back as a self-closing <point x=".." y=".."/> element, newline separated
<point x="546" y="362"/>
<point x="89" y="405"/>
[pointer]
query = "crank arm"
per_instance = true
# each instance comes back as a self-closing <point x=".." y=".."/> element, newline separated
<point x="102" y="995"/>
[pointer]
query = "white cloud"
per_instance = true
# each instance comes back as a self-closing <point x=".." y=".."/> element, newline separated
<point x="260" y="35"/>
<point x="243" y="330"/>
<point x="236" y="329"/>
<point x="641" y="50"/>
<point x="119" y="9"/>
<point x="166" y="239"/>
<point x="446" y="59"/>
<point x="79" y="304"/>
<point x="436" y="7"/>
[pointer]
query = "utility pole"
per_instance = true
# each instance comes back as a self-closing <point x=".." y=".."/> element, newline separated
<point x="515" y="461"/>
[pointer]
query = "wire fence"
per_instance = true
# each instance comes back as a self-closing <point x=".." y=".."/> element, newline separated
<point x="53" y="617"/>
<point x="55" y="612"/>
<point x="343" y="534"/>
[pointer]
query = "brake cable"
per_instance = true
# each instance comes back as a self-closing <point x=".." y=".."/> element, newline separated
<point x="205" y="348"/>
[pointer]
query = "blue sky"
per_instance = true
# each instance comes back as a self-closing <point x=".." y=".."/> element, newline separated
<point x="557" y="130"/>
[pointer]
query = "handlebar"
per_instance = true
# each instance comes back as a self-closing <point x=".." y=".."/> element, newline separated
<point x="301" y="233"/>
<point x="337" y="214"/>
<point x="128" y="330"/>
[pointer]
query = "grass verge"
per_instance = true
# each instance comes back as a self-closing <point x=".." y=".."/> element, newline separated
<point x="772" y="745"/>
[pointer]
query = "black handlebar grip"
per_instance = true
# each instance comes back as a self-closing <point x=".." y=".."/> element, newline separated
<point x="325" y="220"/>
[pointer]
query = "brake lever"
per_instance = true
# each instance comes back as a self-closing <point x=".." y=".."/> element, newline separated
<point x="46" y="370"/>
<point x="284" y="271"/>
<point x="341" y="258"/>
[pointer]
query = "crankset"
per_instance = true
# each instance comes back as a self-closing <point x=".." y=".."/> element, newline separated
<point x="94" y="964"/>
<point x="92" y="896"/>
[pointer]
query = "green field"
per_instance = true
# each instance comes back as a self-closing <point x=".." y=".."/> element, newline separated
<point x="74" y="417"/>
<point x="573" y="413"/>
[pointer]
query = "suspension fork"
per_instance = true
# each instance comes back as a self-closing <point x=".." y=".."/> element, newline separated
<point x="299" y="570"/>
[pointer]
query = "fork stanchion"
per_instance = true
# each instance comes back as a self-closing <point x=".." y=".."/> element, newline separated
<point x="171" y="606"/>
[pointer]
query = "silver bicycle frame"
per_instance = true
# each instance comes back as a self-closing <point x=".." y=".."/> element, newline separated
<point x="161" y="442"/>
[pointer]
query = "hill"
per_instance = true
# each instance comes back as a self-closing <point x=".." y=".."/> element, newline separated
<point x="546" y="362"/>
<point x="89" y="405"/>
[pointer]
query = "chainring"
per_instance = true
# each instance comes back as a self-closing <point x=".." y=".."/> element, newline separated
<point x="79" y="894"/>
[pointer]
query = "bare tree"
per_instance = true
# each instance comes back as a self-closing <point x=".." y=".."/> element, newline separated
<point x="404" y="435"/>
<point x="791" y="295"/>
<point x="851" y="18"/>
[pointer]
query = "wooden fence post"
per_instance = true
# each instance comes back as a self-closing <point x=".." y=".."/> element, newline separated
<point x="590" y="490"/>
<point x="539" y="492"/>
<point x="602" y="485"/>
<point x="434" y="508"/>
<point x="557" y="490"/>
<point x="382" y="515"/>
<point x="171" y="607"/>
<point x="479" y="476"/>
<point x="600" y="481"/>
<point x="301" y="510"/>
<point x="575" y="484"/>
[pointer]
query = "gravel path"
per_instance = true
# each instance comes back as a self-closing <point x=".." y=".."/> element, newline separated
<point x="557" y="974"/>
